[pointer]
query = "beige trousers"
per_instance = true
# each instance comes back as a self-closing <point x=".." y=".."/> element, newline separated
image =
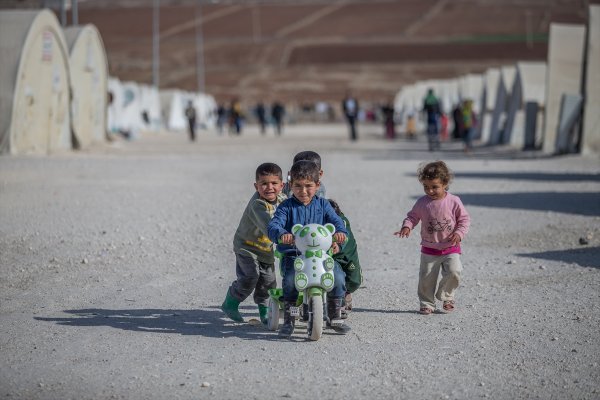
<point x="450" y="266"/>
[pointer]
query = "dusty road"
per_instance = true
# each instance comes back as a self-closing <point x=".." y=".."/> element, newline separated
<point x="114" y="261"/>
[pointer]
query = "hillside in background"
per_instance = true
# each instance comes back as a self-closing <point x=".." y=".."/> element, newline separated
<point x="304" y="51"/>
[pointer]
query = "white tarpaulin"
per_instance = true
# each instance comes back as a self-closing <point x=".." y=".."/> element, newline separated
<point x="150" y="107"/>
<point x="34" y="83"/>
<point x="489" y="97"/>
<point x="565" y="63"/>
<point x="529" y="86"/>
<point x="591" y="122"/>
<point x="172" y="104"/>
<point x="89" y="75"/>
<point x="498" y="122"/>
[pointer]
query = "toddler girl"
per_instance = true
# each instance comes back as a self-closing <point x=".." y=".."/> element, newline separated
<point x="444" y="223"/>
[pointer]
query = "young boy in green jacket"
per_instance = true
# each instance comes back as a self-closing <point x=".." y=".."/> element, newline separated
<point x="347" y="257"/>
<point x="255" y="260"/>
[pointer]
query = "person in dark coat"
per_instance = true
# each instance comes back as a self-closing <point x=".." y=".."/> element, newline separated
<point x="350" y="108"/>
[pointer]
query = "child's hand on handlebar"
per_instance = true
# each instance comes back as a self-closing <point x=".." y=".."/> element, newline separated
<point x="286" y="238"/>
<point x="335" y="248"/>
<point x="339" y="237"/>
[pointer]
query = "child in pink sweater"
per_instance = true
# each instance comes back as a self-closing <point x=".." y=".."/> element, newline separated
<point x="444" y="223"/>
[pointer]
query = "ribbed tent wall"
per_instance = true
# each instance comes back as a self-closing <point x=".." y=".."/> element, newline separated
<point x="489" y="97"/>
<point x="565" y="66"/>
<point x="500" y="120"/>
<point x="34" y="83"/>
<point x="173" y="103"/>
<point x="89" y="81"/>
<point x="529" y="86"/>
<point x="591" y="124"/>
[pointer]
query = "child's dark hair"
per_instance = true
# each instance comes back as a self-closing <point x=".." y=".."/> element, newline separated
<point x="335" y="206"/>
<point x="305" y="169"/>
<point x="308" y="156"/>
<point x="268" y="169"/>
<point x="435" y="170"/>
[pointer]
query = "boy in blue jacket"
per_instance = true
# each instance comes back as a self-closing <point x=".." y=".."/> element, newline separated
<point x="304" y="207"/>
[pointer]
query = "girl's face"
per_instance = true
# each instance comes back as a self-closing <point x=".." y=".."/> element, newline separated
<point x="304" y="190"/>
<point x="434" y="188"/>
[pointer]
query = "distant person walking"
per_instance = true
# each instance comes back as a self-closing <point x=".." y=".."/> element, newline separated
<point x="431" y="107"/>
<point x="190" y="114"/>
<point x="221" y="118"/>
<point x="277" y="113"/>
<point x="469" y="122"/>
<point x="235" y="117"/>
<point x="388" y="120"/>
<point x="411" y="125"/>
<point x="457" y="117"/>
<point x="350" y="108"/>
<point x="261" y="116"/>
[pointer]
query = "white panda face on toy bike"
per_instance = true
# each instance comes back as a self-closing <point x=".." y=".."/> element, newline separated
<point x="313" y="266"/>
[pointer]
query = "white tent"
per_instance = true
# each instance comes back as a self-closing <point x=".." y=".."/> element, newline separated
<point x="565" y="62"/>
<point x="489" y="97"/>
<point x="205" y="106"/>
<point x="150" y="107"/>
<point x="172" y="104"/>
<point x="132" y="111"/>
<point x="470" y="87"/>
<point x="529" y="87"/>
<point x="88" y="70"/>
<point x="498" y="121"/>
<point x="591" y="123"/>
<point x="115" y="98"/>
<point x="34" y="83"/>
<point x="449" y="95"/>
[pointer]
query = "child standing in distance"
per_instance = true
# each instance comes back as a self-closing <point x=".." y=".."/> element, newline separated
<point x="444" y="223"/>
<point x="347" y="257"/>
<point x="307" y="155"/>
<point x="255" y="260"/>
<point x="305" y="207"/>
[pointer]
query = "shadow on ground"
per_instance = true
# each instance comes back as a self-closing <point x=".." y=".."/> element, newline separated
<point x="579" y="203"/>
<point x="209" y="323"/>
<point x="585" y="257"/>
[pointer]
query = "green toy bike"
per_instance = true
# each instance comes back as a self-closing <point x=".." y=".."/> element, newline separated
<point x="313" y="279"/>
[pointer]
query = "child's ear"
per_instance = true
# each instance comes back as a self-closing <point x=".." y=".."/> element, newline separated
<point x="255" y="186"/>
<point x="296" y="228"/>
<point x="330" y="227"/>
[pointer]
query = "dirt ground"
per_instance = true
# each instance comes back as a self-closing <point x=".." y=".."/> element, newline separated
<point x="114" y="262"/>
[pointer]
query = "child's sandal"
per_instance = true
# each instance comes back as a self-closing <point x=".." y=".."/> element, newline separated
<point x="425" y="311"/>
<point x="448" y="306"/>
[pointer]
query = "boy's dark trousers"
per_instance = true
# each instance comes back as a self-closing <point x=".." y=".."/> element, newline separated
<point x="252" y="275"/>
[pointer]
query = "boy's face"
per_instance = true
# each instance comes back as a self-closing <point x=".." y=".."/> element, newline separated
<point x="268" y="187"/>
<point x="434" y="188"/>
<point x="304" y="190"/>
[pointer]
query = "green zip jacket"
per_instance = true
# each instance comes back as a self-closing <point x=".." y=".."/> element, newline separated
<point x="251" y="237"/>
<point x="348" y="260"/>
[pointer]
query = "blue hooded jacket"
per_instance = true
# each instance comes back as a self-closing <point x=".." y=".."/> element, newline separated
<point x="292" y="212"/>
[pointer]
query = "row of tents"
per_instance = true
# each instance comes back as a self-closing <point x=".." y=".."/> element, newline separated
<point x="56" y="94"/>
<point x="552" y="105"/>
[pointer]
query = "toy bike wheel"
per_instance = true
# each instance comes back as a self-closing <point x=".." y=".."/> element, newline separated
<point x="273" y="314"/>
<point x="315" y="320"/>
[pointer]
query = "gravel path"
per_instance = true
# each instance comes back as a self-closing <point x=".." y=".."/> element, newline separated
<point x="114" y="261"/>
